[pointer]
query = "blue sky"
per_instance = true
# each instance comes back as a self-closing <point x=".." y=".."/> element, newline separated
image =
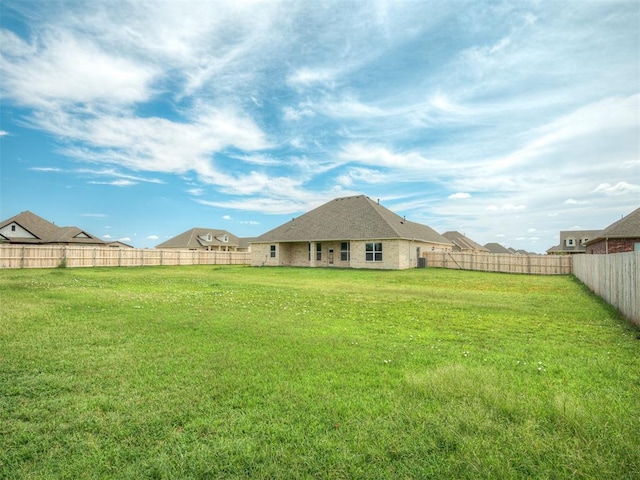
<point x="505" y="120"/>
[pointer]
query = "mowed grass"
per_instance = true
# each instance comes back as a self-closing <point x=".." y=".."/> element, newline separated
<point x="239" y="372"/>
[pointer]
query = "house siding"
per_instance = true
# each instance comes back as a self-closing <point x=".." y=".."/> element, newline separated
<point x="613" y="245"/>
<point x="396" y="254"/>
<point x="19" y="232"/>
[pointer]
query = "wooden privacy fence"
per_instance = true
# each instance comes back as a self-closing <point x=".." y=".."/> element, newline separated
<point x="51" y="256"/>
<point x="615" y="278"/>
<point x="502" y="262"/>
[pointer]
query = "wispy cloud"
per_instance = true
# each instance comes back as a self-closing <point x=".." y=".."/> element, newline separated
<point x="115" y="183"/>
<point x="274" y="107"/>
<point x="620" y="188"/>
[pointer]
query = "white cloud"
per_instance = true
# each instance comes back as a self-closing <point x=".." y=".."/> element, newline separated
<point x="45" y="169"/>
<point x="65" y="69"/>
<point x="506" y="207"/>
<point x="153" y="237"/>
<point x="620" y="188"/>
<point x="156" y="144"/>
<point x="357" y="175"/>
<point x="459" y="195"/>
<point x="107" y="237"/>
<point x="227" y="217"/>
<point x="116" y="183"/>
<point x="572" y="201"/>
<point x="307" y="76"/>
<point x="294" y="114"/>
<point x="380" y="156"/>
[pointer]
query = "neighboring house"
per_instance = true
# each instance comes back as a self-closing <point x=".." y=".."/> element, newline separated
<point x="206" y="239"/>
<point x="353" y="232"/>
<point x="620" y="236"/>
<point x="573" y="241"/>
<point x="496" y="248"/>
<point x="29" y="228"/>
<point x="118" y="244"/>
<point x="461" y="243"/>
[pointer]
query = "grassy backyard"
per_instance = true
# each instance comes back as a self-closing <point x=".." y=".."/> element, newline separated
<point x="239" y="372"/>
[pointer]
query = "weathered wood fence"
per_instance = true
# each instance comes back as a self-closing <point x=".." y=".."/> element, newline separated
<point x="615" y="278"/>
<point x="26" y="256"/>
<point x="502" y="262"/>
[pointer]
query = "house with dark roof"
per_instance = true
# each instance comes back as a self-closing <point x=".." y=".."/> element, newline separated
<point x="28" y="228"/>
<point x="621" y="236"/>
<point x="497" y="248"/>
<point x="207" y="239"/>
<point x="573" y="241"/>
<point x="349" y="232"/>
<point x="462" y="243"/>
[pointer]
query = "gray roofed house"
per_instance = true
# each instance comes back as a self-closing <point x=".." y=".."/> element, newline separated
<point x="206" y="239"/>
<point x="621" y="236"/>
<point x="573" y="241"/>
<point x="353" y="232"/>
<point x="462" y="243"/>
<point x="496" y="248"/>
<point x="29" y="228"/>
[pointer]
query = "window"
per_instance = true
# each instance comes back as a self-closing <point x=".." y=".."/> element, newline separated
<point x="13" y="228"/>
<point x="226" y="238"/>
<point x="373" y="252"/>
<point x="209" y="237"/>
<point x="570" y="242"/>
<point x="273" y="251"/>
<point x="318" y="251"/>
<point x="345" y="251"/>
<point x="584" y="241"/>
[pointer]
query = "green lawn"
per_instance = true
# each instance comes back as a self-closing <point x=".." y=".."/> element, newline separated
<point x="239" y="372"/>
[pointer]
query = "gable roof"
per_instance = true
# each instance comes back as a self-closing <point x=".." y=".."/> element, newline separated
<point x="350" y="218"/>
<point x="36" y="230"/>
<point x="496" y="248"/>
<point x="463" y="242"/>
<point x="579" y="244"/>
<point x="626" y="227"/>
<point x="198" y="238"/>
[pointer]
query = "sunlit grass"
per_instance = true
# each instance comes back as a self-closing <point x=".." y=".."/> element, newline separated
<point x="238" y="372"/>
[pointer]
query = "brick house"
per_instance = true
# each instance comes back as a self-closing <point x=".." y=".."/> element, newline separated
<point x="348" y="232"/>
<point x="620" y="236"/>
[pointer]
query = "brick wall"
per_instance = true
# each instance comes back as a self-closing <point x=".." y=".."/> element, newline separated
<point x="613" y="245"/>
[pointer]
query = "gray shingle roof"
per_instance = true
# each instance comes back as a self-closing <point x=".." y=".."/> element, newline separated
<point x="463" y="242"/>
<point x="47" y="232"/>
<point x="578" y="236"/>
<point x="626" y="227"/>
<point x="496" y="248"/>
<point x="350" y="218"/>
<point x="197" y="238"/>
